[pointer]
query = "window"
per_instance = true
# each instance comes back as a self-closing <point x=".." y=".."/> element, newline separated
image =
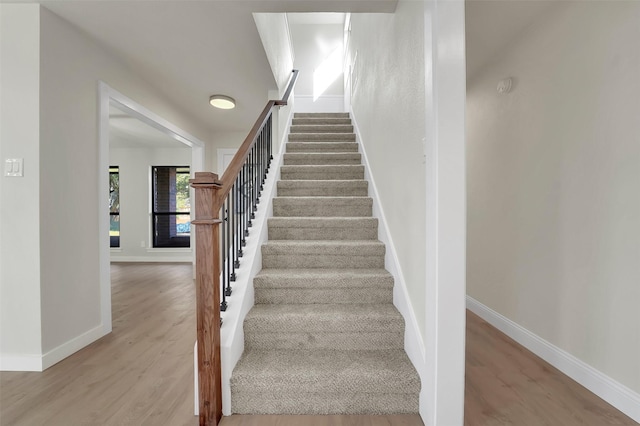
<point x="171" y="207"/>
<point x="114" y="206"/>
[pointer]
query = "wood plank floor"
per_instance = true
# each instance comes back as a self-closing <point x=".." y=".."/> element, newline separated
<point x="141" y="374"/>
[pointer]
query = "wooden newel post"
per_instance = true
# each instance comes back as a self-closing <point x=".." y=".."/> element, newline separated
<point x="206" y="224"/>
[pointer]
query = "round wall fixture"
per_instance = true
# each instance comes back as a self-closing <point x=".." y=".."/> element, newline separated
<point x="222" y="101"/>
<point x="504" y="86"/>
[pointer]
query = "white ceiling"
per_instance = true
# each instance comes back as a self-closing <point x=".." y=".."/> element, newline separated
<point x="316" y="18"/>
<point x="126" y="131"/>
<point x="190" y="50"/>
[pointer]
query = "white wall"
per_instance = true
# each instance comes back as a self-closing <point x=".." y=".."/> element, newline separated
<point x="389" y="108"/>
<point x="408" y="102"/>
<point x="312" y="44"/>
<point x="57" y="205"/>
<point x="554" y="185"/>
<point x="135" y="202"/>
<point x="224" y="140"/>
<point x="276" y="40"/>
<point x="71" y="66"/>
<point x="20" y="347"/>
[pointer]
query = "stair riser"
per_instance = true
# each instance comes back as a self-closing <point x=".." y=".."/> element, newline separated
<point x="319" y="207"/>
<point x="321" y="282"/>
<point x="354" y="173"/>
<point x="323" y="192"/>
<point x="322" y="159"/>
<point x="323" y="189"/>
<point x="321" y="115"/>
<point x="296" y="147"/>
<point x="325" y="128"/>
<point x="248" y="401"/>
<point x="332" y="234"/>
<point x="320" y="121"/>
<point x="302" y="261"/>
<point x="305" y="296"/>
<point x="319" y="137"/>
<point x="323" y="340"/>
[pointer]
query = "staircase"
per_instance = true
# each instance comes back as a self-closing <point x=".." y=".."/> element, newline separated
<point x="323" y="336"/>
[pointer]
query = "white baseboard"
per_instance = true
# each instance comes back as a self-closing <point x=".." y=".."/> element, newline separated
<point x="36" y="362"/>
<point x="72" y="346"/>
<point x="616" y="394"/>
<point x="23" y="362"/>
<point x="158" y="259"/>
<point x="330" y="103"/>
<point x="413" y="342"/>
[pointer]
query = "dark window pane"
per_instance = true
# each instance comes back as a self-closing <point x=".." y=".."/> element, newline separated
<point x="114" y="206"/>
<point x="114" y="230"/>
<point x="171" y="206"/>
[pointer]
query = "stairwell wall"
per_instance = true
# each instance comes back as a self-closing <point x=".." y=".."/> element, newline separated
<point x="554" y="187"/>
<point x="388" y="105"/>
<point x="407" y="79"/>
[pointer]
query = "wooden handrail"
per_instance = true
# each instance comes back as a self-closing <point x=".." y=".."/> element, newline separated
<point x="231" y="173"/>
<point x="290" y="85"/>
<point x="210" y="195"/>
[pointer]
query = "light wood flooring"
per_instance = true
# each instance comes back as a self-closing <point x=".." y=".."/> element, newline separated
<point x="141" y="374"/>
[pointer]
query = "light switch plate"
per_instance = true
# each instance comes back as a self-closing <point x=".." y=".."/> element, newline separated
<point x="14" y="167"/>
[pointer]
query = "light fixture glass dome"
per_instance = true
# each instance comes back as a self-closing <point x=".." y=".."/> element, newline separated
<point x="222" y="101"/>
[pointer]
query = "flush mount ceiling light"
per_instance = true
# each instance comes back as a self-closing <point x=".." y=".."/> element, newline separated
<point x="222" y="101"/>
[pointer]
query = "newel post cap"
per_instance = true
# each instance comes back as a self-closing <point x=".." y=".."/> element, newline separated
<point x="205" y="179"/>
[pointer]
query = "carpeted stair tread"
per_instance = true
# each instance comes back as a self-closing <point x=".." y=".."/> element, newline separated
<point x="315" y="286"/>
<point x="321" y="128"/>
<point x="326" y="372"/>
<point x="294" y="147"/>
<point x="323" y="228"/>
<point x="323" y="278"/>
<point x="322" y="206"/>
<point x="315" y="188"/>
<point x="324" y="317"/>
<point x="322" y="158"/>
<point x="319" y="121"/>
<point x="318" y="137"/>
<point x="321" y="115"/>
<point x="341" y="172"/>
<point x="323" y="254"/>
<point x="341" y="326"/>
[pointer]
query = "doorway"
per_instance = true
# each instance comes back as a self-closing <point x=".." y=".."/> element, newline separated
<point x="110" y="98"/>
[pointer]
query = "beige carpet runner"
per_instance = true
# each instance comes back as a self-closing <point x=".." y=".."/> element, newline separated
<point x="323" y="336"/>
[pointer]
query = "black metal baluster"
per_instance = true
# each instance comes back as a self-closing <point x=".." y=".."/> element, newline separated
<point x="256" y="182"/>
<point x="266" y="148"/>
<point x="227" y="225"/>
<point x="245" y="224"/>
<point x="260" y="159"/>
<point x="232" y="227"/>
<point x="270" y="140"/>
<point x="239" y="230"/>
<point x="264" y="155"/>
<point x="249" y="187"/>
<point x="223" y="303"/>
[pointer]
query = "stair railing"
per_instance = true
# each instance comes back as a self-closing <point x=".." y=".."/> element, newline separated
<point x="224" y="210"/>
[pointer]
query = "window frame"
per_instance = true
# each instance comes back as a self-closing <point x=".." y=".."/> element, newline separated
<point x="167" y="241"/>
<point x="114" y="241"/>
